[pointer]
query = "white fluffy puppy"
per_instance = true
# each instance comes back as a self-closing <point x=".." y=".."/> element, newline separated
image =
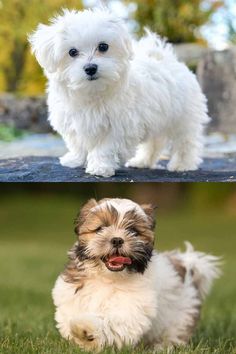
<point x="116" y="290"/>
<point x="114" y="99"/>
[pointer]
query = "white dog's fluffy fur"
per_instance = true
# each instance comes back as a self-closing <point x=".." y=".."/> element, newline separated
<point x="155" y="299"/>
<point x="143" y="98"/>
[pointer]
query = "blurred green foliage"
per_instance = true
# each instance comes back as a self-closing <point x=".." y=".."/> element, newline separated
<point x="9" y="133"/>
<point x="19" y="71"/>
<point x="178" y="20"/>
<point x="232" y="29"/>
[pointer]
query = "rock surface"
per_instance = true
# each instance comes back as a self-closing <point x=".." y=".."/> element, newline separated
<point x="48" y="169"/>
<point x="34" y="158"/>
<point x="217" y="76"/>
<point x="190" y="53"/>
<point x="29" y="113"/>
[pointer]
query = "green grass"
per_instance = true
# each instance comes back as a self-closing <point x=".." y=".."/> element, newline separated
<point x="35" y="235"/>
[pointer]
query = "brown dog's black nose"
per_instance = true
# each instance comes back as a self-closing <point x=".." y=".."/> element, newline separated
<point x="117" y="241"/>
<point x="90" y="69"/>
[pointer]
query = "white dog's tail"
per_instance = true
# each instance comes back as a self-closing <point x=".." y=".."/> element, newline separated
<point x="154" y="46"/>
<point x="200" y="268"/>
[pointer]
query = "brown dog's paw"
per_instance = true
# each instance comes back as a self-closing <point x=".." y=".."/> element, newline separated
<point x="86" y="333"/>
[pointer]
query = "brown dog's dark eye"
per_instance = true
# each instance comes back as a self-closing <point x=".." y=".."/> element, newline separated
<point x="103" y="47"/>
<point x="133" y="231"/>
<point x="99" y="229"/>
<point x="73" y="52"/>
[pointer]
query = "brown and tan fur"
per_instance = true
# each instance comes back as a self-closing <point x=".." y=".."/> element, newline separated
<point x="93" y="258"/>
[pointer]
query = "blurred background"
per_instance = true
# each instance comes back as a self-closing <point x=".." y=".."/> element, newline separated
<point x="202" y="31"/>
<point x="37" y="230"/>
<point x="205" y="22"/>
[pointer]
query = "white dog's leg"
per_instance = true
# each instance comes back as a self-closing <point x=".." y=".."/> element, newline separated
<point x="72" y="160"/>
<point x="87" y="332"/>
<point x="147" y="154"/>
<point x="101" y="165"/>
<point x="103" y="160"/>
<point x="186" y="153"/>
<point x="76" y="156"/>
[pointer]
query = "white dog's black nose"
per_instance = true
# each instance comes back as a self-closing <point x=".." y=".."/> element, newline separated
<point x="117" y="241"/>
<point x="90" y="69"/>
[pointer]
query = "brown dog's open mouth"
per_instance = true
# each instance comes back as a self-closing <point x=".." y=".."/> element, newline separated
<point x="117" y="263"/>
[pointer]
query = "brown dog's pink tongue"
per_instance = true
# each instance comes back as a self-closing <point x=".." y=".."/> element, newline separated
<point x="120" y="260"/>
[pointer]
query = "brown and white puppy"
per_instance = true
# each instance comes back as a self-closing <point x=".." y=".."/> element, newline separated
<point x="116" y="290"/>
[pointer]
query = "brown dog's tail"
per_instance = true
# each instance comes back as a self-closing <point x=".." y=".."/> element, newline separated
<point x="197" y="267"/>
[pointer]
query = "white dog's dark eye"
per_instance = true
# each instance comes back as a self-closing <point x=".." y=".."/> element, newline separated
<point x="103" y="47"/>
<point x="73" y="52"/>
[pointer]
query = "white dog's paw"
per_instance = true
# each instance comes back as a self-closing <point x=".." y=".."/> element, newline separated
<point x="158" y="166"/>
<point x="138" y="162"/>
<point x="86" y="332"/>
<point x="176" y="164"/>
<point x="71" y="160"/>
<point x="102" y="169"/>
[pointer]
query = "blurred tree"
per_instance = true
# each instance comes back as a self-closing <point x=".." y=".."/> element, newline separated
<point x="230" y="20"/>
<point x="19" y="71"/>
<point x="178" y="20"/>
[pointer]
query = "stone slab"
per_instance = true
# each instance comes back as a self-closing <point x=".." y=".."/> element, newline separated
<point x="217" y="76"/>
<point x="48" y="169"/>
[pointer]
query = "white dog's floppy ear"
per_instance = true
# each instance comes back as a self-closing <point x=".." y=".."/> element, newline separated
<point x="43" y="43"/>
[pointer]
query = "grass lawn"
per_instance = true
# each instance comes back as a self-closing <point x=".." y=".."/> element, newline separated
<point x="35" y="235"/>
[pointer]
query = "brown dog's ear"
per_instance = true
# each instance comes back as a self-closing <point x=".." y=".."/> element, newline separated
<point x="81" y="217"/>
<point x="150" y="211"/>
